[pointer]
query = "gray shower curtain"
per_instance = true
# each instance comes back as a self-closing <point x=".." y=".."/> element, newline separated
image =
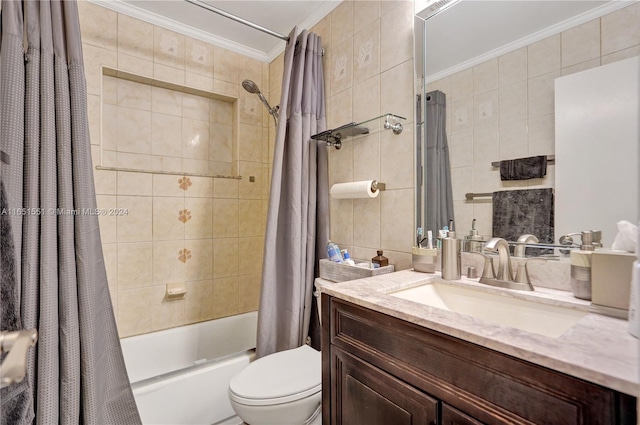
<point x="439" y="194"/>
<point x="76" y="372"/>
<point x="298" y="218"/>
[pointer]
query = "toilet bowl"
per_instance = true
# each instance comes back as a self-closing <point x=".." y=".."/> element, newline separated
<point x="283" y="388"/>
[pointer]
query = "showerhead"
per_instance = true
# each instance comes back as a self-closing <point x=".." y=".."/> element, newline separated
<point x="253" y="88"/>
<point x="250" y="86"/>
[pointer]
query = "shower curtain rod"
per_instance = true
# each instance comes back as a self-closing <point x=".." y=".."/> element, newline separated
<point x="237" y="19"/>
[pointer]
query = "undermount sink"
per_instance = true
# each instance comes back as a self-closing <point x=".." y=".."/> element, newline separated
<point x="530" y="316"/>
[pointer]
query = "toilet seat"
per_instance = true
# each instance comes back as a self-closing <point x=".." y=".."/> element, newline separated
<point x="278" y="378"/>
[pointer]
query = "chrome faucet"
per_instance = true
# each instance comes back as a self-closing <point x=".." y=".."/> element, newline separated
<point x="504" y="259"/>
<point x="518" y="251"/>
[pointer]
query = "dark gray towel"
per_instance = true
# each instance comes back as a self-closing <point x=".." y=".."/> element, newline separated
<point x="16" y="405"/>
<point x="533" y="167"/>
<point x="518" y="212"/>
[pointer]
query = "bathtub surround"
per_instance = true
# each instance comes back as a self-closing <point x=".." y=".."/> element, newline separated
<point x="76" y="372"/>
<point x="297" y="221"/>
<point x="167" y="90"/>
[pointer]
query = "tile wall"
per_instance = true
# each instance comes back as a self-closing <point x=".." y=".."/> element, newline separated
<point x="504" y="108"/>
<point x="368" y="68"/>
<point x="205" y="232"/>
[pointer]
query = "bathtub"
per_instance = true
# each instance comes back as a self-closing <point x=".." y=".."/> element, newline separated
<point x="181" y="375"/>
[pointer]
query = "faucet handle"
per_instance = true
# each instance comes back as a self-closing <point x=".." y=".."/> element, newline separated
<point x="522" y="275"/>
<point x="488" y="271"/>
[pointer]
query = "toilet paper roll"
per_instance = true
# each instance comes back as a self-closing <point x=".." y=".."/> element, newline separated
<point x="362" y="189"/>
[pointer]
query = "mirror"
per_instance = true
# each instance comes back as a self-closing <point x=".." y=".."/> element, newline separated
<point x="498" y="64"/>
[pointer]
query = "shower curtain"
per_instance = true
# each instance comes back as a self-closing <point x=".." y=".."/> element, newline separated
<point x="76" y="372"/>
<point x="439" y="194"/>
<point x="298" y="218"/>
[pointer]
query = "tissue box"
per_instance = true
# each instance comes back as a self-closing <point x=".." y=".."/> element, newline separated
<point x="611" y="278"/>
<point x="338" y="272"/>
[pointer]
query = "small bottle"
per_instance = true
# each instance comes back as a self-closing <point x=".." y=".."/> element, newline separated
<point x="380" y="260"/>
<point x="333" y="252"/>
<point x="347" y="258"/>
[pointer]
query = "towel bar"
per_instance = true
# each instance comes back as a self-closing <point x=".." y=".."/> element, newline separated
<point x="550" y="158"/>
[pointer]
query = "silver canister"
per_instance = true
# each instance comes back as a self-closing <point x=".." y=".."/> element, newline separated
<point x="451" y="261"/>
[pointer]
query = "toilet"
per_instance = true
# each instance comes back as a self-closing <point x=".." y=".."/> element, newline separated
<point x="283" y="388"/>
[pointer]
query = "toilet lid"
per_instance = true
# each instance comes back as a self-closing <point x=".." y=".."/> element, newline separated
<point x="279" y="378"/>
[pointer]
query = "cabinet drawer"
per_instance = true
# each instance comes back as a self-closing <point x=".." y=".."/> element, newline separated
<point x="492" y="387"/>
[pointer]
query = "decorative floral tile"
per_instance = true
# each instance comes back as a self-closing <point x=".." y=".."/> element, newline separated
<point x="365" y="57"/>
<point x="340" y="69"/>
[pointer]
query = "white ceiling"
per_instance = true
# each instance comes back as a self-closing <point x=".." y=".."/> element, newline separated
<point x="181" y="16"/>
<point x="473" y="31"/>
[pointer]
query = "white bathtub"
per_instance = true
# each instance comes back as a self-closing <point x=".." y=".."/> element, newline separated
<point x="181" y="375"/>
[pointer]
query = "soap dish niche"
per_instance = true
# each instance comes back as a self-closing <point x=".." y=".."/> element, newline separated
<point x="176" y="291"/>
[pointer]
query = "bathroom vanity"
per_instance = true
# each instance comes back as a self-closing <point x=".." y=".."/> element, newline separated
<point x="388" y="359"/>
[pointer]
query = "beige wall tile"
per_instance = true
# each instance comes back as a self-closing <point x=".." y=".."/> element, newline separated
<point x="513" y="140"/>
<point x="340" y="112"/>
<point x="200" y="82"/>
<point x="225" y="217"/>
<point x="396" y="36"/>
<point x="135" y="65"/>
<point x="225" y="257"/>
<point x="248" y="189"/>
<point x="225" y="188"/>
<point x="221" y="112"/>
<point x="93" y="110"/>
<point x="200" y="223"/>
<point x="195" y="107"/>
<point x="250" y="259"/>
<point x="341" y="213"/>
<point x="94" y="59"/>
<point x="341" y="67"/>
<point x="136" y="226"/>
<point x="168" y="48"/>
<point x="199" y="301"/>
<point x="105" y="182"/>
<point x="134" y="311"/>
<point x="396" y="90"/>
<point x="621" y="29"/>
<point x="169" y="74"/>
<point x="98" y="25"/>
<point x="251" y="69"/>
<point x="341" y="164"/>
<point x="366" y="222"/>
<point x="541" y="94"/>
<point x="200" y="265"/>
<point x="342" y="23"/>
<point x="110" y="252"/>
<point x="169" y="217"/>
<point x="485" y="145"/>
<point x="198" y="57"/>
<point x="513" y="103"/>
<point x="366" y="158"/>
<point x="366" y="53"/>
<point x="581" y="43"/>
<point x="109" y="137"/>
<point x="166" y="135"/>
<point x="196" y="166"/>
<point x="250" y="143"/>
<point x="486" y="110"/>
<point x="167" y="312"/>
<point x="166" y="101"/>
<point x="195" y="139"/>
<point x="397" y="232"/>
<point x="513" y="67"/>
<point x="108" y="225"/>
<point x="249" y="218"/>
<point x="250" y="108"/>
<point x="225" y="88"/>
<point x="135" y="265"/>
<point x="401" y="260"/>
<point x="135" y="38"/>
<point x="166" y="163"/>
<point x="485" y="178"/>
<point x="366" y="102"/>
<point x="139" y="184"/>
<point x="221" y="139"/>
<point x="167" y="185"/>
<point x="134" y="130"/>
<point x="485" y="77"/>
<point x="134" y="95"/>
<point x="397" y="158"/>
<point x="583" y="66"/>
<point x="225" y="296"/>
<point x="249" y="293"/>
<point x="134" y="161"/>
<point x="461" y="149"/>
<point x="462" y="115"/>
<point x="225" y="65"/>
<point x="462" y="84"/>
<point x="109" y="90"/>
<point x="364" y="13"/>
<point x="544" y="56"/>
<point x="542" y="135"/>
<point x="201" y="187"/>
<point x="169" y="259"/>
<point x="461" y="182"/>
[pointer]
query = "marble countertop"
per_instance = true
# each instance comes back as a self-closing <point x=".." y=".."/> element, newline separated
<point x="597" y="348"/>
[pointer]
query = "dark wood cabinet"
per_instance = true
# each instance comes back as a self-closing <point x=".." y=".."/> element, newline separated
<point x="378" y="369"/>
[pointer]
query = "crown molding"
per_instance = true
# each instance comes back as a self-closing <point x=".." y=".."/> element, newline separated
<point x="164" y="22"/>
<point x="317" y="15"/>
<point x="592" y="14"/>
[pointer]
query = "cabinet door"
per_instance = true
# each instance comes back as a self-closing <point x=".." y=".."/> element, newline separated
<point x="365" y="395"/>
<point x="451" y="416"/>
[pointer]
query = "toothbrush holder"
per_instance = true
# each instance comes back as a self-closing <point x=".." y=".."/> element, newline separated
<point x="424" y="260"/>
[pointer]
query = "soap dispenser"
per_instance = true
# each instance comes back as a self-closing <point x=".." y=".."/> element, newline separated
<point x="380" y="259"/>
<point x="581" y="267"/>
<point x="451" y="261"/>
